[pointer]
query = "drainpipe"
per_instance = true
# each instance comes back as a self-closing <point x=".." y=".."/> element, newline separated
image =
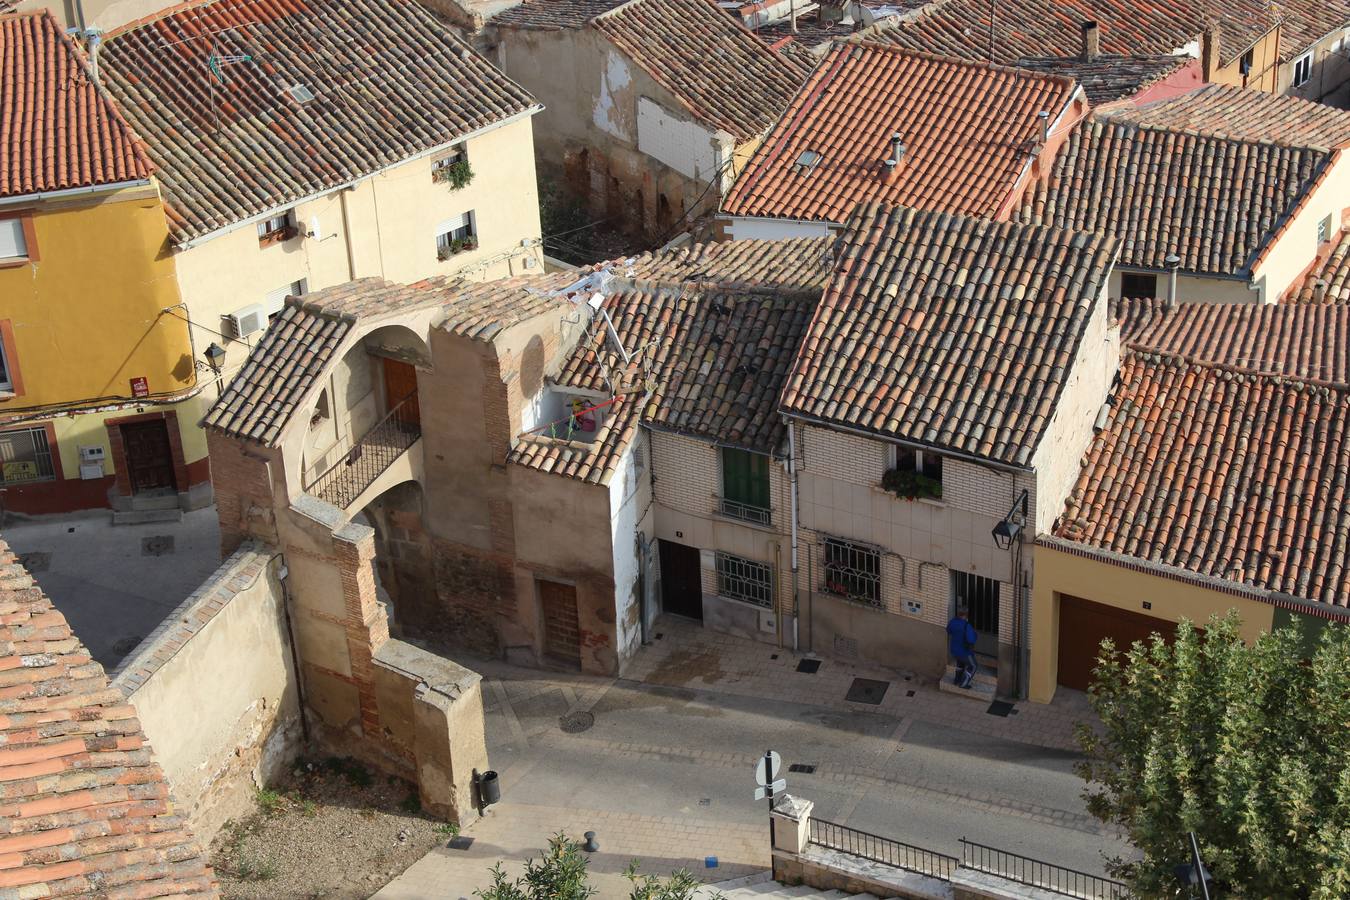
<point x="347" y="233"/>
<point x="792" y="498"/>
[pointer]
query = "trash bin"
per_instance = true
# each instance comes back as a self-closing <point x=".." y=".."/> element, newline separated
<point x="489" y="789"/>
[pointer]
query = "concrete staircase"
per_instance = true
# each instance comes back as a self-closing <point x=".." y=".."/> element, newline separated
<point x="984" y="687"/>
<point x="761" y="887"/>
<point x="149" y="508"/>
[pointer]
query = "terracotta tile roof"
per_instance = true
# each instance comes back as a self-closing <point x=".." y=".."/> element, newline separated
<point x="949" y="331"/>
<point x="1108" y="77"/>
<point x="1305" y="22"/>
<point x="57" y="130"/>
<point x="961" y="28"/>
<point x="714" y="361"/>
<point x="1329" y="280"/>
<point x="84" y="809"/>
<point x="1301" y="341"/>
<point x="1222" y="472"/>
<point x="1246" y="115"/>
<point x="553" y="15"/>
<point x="812" y="32"/>
<point x="968" y="130"/>
<point x="799" y="264"/>
<point x="301" y="343"/>
<point x="232" y="140"/>
<point x="1215" y="202"/>
<point x="723" y="74"/>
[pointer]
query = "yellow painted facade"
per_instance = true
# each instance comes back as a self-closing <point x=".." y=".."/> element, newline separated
<point x="1263" y="70"/>
<point x="1059" y="573"/>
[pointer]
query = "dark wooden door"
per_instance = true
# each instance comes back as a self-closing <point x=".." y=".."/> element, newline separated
<point x="681" y="580"/>
<point x="562" y="632"/>
<point x="400" y="382"/>
<point x="149" y="459"/>
<point x="1082" y="626"/>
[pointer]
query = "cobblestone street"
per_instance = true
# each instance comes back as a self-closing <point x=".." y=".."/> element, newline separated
<point x="660" y="766"/>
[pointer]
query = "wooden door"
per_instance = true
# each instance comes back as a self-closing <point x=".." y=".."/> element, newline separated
<point x="400" y="383"/>
<point x="149" y="459"/>
<point x="681" y="580"/>
<point x="1082" y="626"/>
<point x="562" y="632"/>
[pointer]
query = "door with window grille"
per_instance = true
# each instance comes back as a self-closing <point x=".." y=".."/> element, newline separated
<point x="562" y="631"/>
<point x="979" y="595"/>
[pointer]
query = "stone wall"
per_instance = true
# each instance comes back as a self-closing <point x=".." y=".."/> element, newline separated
<point x="215" y="689"/>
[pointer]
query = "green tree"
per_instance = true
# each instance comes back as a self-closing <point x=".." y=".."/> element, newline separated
<point x="1247" y="746"/>
<point x="560" y="874"/>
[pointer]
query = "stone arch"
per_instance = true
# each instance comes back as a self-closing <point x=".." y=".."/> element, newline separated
<point x="404" y="569"/>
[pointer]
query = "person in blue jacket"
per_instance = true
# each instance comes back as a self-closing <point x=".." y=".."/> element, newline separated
<point x="961" y="637"/>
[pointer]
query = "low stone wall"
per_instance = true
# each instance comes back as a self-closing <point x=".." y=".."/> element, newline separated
<point x="215" y="691"/>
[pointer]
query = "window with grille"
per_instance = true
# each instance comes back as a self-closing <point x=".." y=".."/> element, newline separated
<point x="745" y="485"/>
<point x="853" y="570"/>
<point x="743" y="579"/>
<point x="25" y="456"/>
<point x="979" y="595"/>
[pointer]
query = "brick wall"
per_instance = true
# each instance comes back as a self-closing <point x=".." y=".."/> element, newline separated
<point x="243" y="493"/>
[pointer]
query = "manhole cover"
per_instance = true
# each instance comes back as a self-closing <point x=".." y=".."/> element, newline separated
<point x="37" y="561"/>
<point x="809" y="666"/>
<point x="577" y="722"/>
<point x="803" y="768"/>
<point x="1000" y="708"/>
<point x="157" y="545"/>
<point x="866" y="690"/>
<point x="125" y="645"/>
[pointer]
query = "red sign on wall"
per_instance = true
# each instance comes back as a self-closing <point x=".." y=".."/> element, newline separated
<point x="140" y="386"/>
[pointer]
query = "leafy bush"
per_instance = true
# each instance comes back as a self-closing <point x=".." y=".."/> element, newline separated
<point x="910" y="485"/>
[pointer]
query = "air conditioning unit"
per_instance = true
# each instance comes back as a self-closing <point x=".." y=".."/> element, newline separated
<point x="248" y="320"/>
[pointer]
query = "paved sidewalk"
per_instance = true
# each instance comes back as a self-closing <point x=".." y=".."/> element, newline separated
<point x="659" y="764"/>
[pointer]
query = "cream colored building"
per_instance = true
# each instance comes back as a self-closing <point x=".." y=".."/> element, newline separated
<point x="408" y="161"/>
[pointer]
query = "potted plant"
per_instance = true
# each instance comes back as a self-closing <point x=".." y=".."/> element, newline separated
<point x="458" y="174"/>
<point x="910" y="485"/>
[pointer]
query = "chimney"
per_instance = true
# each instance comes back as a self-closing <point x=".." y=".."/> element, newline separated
<point x="95" y="38"/>
<point x="1092" y="41"/>
<point x="897" y="154"/>
<point x="1044" y="118"/>
<point x="1209" y="52"/>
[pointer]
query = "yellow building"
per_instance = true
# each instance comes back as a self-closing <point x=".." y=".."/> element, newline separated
<point x="1213" y="485"/>
<point x="94" y="354"/>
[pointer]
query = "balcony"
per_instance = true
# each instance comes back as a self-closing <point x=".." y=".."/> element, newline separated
<point x="746" y="512"/>
<point x="369" y="456"/>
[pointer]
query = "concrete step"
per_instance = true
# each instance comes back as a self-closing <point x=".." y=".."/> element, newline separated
<point x="142" y="502"/>
<point x="983" y="675"/>
<point x="145" y="516"/>
<point x="978" y="690"/>
<point x="726" y="888"/>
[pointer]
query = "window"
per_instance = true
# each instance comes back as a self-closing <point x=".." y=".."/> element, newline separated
<point x="13" y="241"/>
<point x="1324" y="231"/>
<point x="453" y="168"/>
<point x="456" y="235"/>
<point x="1138" y="285"/>
<point x="745" y="485"/>
<point x="980" y="596"/>
<point x="853" y="570"/>
<point x="275" y="301"/>
<point x="1302" y="69"/>
<point x="1245" y="64"/>
<point x="279" y="228"/>
<point x="25" y="456"/>
<point x="6" y="379"/>
<point x="742" y="579"/>
<point x="914" y="473"/>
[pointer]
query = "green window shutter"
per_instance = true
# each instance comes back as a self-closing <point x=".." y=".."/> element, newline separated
<point x="759" y="480"/>
<point x="745" y="477"/>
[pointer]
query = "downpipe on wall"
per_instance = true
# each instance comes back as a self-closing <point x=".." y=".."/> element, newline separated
<point x="792" y="502"/>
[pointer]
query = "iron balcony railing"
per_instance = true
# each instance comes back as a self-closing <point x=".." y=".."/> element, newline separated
<point x="746" y="512"/>
<point x="1024" y="870"/>
<point x="883" y="850"/>
<point x="368" y="457"/>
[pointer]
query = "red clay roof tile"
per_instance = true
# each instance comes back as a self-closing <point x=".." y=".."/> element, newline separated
<point x="1249" y="115"/>
<point x="57" y="129"/>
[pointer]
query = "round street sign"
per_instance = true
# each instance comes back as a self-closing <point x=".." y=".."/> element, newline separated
<point x="766" y="770"/>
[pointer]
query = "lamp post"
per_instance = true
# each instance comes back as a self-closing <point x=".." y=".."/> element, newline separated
<point x="1009" y="529"/>
<point x="1194" y="872"/>
<point x="1008" y="536"/>
<point x="215" y="358"/>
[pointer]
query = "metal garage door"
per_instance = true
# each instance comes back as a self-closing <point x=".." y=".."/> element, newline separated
<point x="1082" y="626"/>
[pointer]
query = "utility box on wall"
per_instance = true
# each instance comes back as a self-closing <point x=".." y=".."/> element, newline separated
<point x="91" y="462"/>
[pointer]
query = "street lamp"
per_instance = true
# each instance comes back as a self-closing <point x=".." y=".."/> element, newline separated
<point x="1194" y="872"/>
<point x="215" y="357"/>
<point x="1010" y="528"/>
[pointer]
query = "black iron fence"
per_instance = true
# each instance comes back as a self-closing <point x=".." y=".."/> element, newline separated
<point x="367" y="458"/>
<point x="1024" y="870"/>
<point x="883" y="850"/>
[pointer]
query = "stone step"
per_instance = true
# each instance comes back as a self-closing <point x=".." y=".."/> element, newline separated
<point x="978" y="690"/>
<point x="145" y="516"/>
<point x="142" y="502"/>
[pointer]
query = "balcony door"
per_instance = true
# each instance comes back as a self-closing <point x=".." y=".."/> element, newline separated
<point x="400" y="382"/>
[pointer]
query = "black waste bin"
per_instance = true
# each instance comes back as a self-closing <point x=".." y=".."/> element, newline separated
<point x="489" y="789"/>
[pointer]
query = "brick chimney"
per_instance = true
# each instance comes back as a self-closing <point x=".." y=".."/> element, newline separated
<point x="1092" y="41"/>
<point x="1209" y="52"/>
